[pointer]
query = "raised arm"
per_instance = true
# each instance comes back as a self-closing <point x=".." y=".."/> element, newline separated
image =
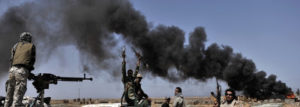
<point x="137" y="65"/>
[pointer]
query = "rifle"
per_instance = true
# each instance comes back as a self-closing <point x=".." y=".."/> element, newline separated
<point x="141" y="58"/>
<point x="42" y="81"/>
<point x="218" y="96"/>
<point x="218" y="93"/>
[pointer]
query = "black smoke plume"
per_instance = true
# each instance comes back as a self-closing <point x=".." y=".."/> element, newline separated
<point x="90" y="26"/>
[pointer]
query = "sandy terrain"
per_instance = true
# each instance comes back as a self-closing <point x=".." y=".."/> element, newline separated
<point x="190" y="101"/>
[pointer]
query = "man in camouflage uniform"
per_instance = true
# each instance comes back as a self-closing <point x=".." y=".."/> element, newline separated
<point x="128" y="80"/>
<point x="138" y="87"/>
<point x="21" y="61"/>
<point x="141" y="97"/>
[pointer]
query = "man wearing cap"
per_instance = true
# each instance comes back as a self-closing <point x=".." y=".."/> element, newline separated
<point x="141" y="97"/>
<point x="21" y="64"/>
<point x="138" y="86"/>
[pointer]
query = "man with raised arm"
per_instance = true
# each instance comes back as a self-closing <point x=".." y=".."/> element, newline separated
<point x="128" y="80"/>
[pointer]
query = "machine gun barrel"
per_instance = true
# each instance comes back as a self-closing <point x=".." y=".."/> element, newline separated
<point x="73" y="78"/>
<point x="42" y="81"/>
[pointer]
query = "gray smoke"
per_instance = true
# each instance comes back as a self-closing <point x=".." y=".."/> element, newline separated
<point x="91" y="25"/>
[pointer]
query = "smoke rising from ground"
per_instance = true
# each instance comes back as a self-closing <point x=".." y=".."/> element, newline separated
<point x="90" y="26"/>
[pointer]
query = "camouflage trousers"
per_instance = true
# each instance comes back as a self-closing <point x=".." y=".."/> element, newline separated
<point x="16" y="86"/>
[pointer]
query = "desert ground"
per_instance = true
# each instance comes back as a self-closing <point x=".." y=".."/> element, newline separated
<point x="190" y="102"/>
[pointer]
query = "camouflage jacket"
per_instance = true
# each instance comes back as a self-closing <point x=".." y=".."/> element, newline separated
<point x="125" y="78"/>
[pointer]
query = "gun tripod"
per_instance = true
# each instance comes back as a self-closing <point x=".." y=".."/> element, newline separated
<point x="41" y="97"/>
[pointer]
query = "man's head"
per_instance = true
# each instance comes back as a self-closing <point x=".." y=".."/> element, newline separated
<point x="25" y="37"/>
<point x="129" y="73"/>
<point x="230" y="95"/>
<point x="138" y="78"/>
<point x="167" y="100"/>
<point x="178" y="90"/>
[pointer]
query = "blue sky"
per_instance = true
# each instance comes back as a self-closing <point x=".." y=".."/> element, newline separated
<point x="266" y="31"/>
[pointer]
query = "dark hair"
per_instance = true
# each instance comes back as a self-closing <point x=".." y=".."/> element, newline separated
<point x="233" y="93"/>
<point x="130" y="71"/>
<point x="179" y="89"/>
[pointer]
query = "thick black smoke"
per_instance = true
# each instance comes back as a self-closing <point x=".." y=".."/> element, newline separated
<point x="91" y="25"/>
